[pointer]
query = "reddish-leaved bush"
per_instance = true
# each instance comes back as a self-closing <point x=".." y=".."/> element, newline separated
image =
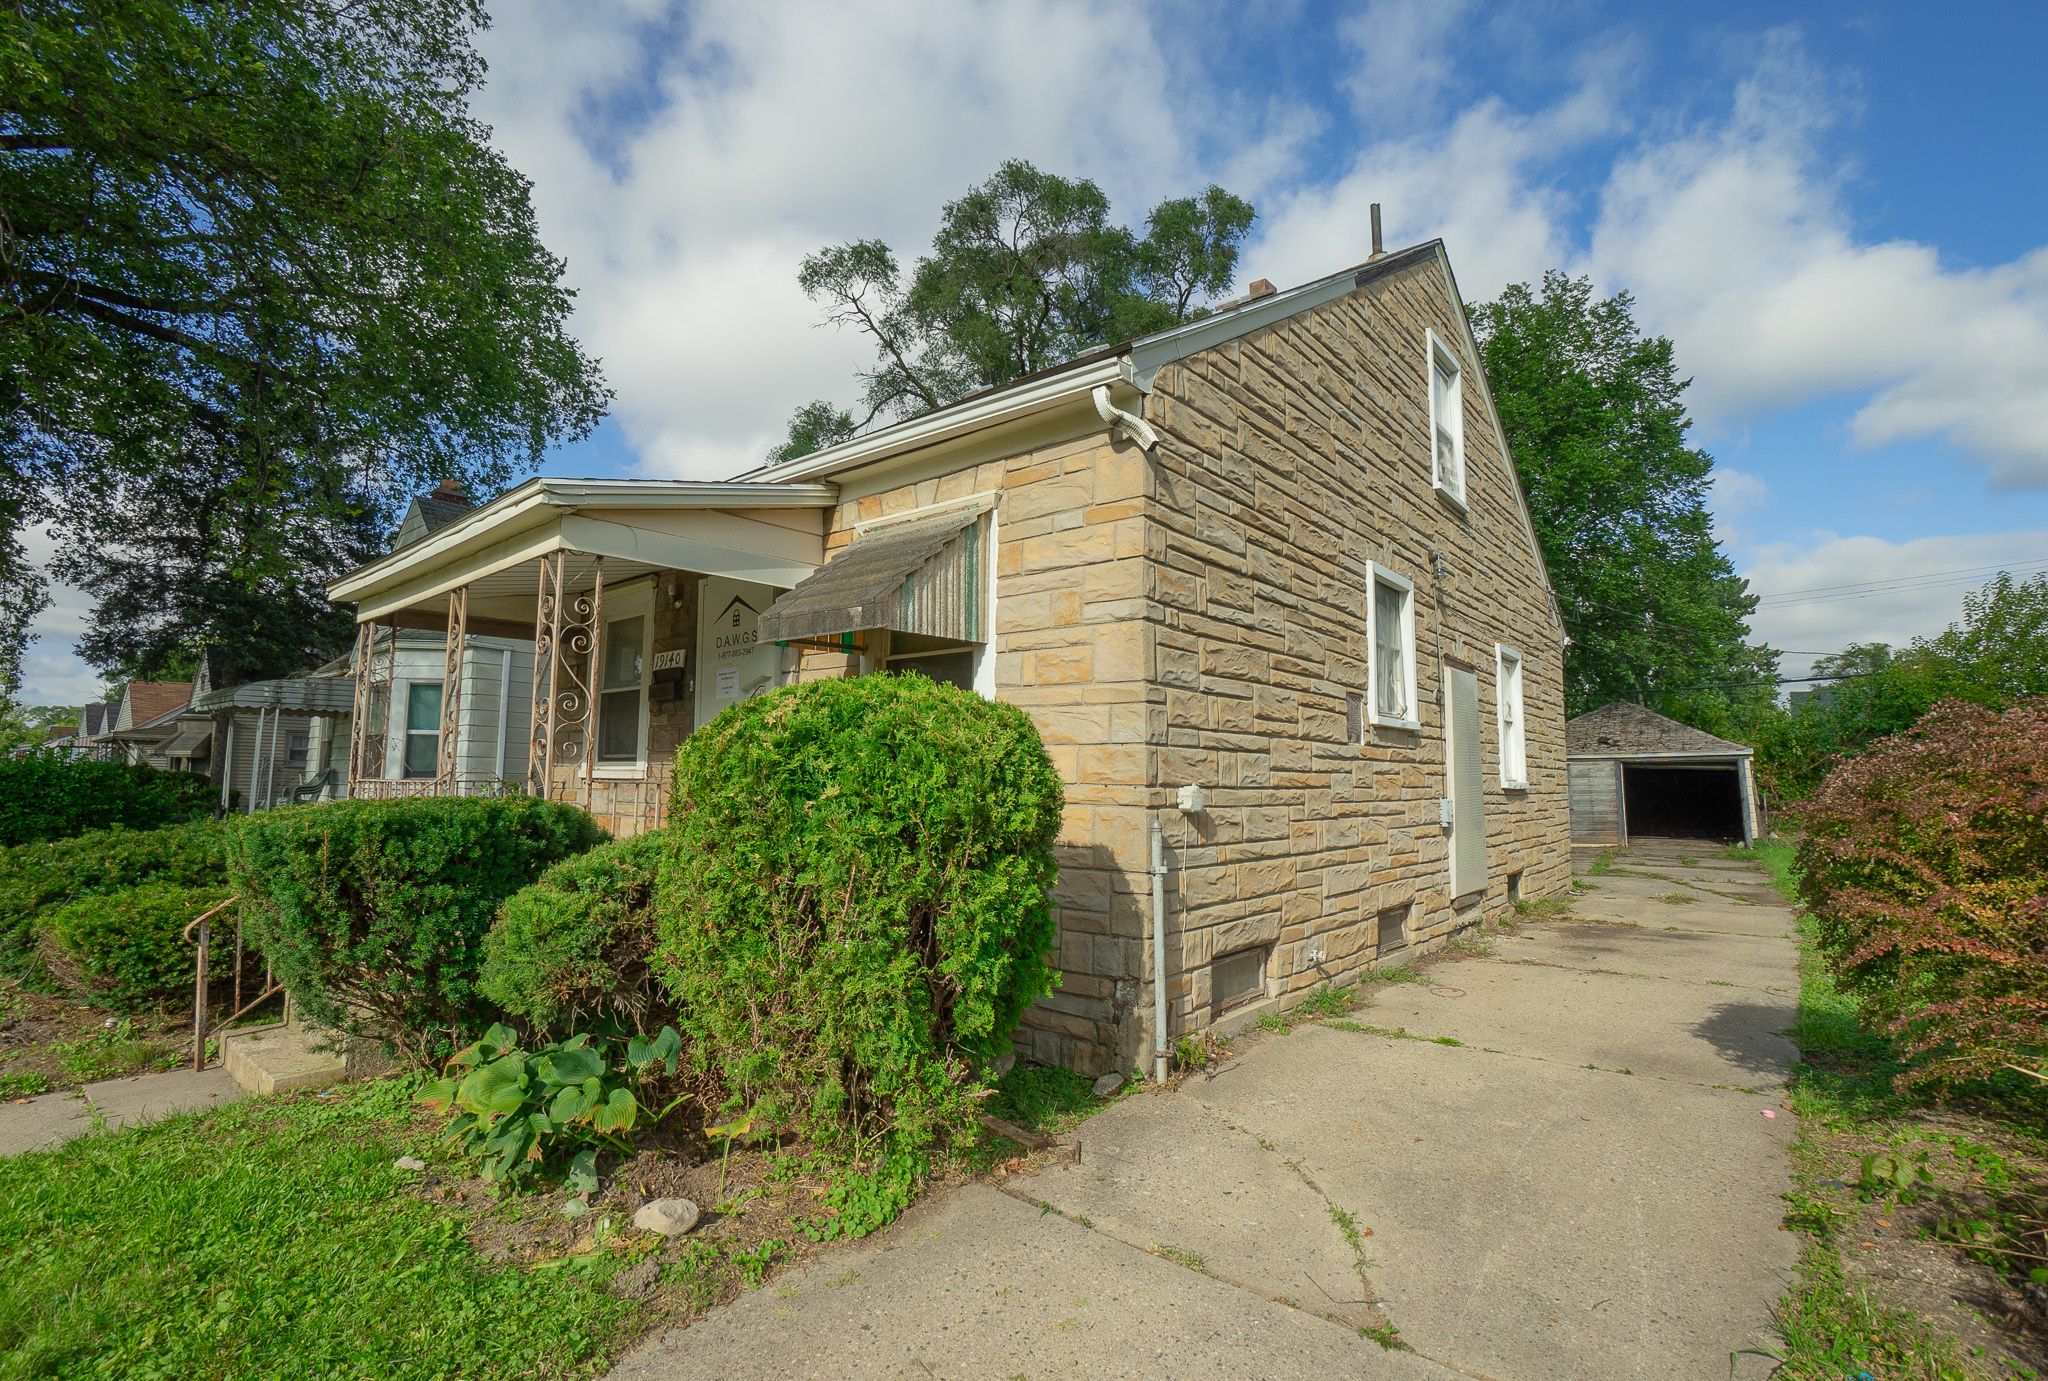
<point x="1925" y="864"/>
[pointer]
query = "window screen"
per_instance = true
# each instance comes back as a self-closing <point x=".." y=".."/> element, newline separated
<point x="1236" y="979"/>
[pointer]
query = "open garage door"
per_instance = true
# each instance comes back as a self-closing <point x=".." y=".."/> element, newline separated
<point x="1689" y="802"/>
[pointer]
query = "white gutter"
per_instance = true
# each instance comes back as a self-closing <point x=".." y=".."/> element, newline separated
<point x="976" y="414"/>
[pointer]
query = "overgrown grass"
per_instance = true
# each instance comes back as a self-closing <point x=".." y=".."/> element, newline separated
<point x="273" y="1237"/>
<point x="1842" y="1084"/>
<point x="1042" y="1099"/>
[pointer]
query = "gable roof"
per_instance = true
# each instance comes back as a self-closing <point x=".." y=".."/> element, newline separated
<point x="1133" y="364"/>
<point x="152" y="700"/>
<point x="1624" y="730"/>
<point x="430" y="512"/>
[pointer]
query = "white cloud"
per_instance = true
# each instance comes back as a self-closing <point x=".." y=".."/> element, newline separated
<point x="1407" y="51"/>
<point x="1737" y="241"/>
<point x="739" y="137"/>
<point x="1812" y="604"/>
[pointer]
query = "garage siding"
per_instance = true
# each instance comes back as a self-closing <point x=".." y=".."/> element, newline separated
<point x="1595" y="787"/>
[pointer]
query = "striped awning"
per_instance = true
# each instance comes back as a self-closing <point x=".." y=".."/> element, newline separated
<point x="920" y="575"/>
<point x="191" y="739"/>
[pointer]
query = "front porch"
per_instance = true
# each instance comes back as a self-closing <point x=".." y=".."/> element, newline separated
<point x="585" y="628"/>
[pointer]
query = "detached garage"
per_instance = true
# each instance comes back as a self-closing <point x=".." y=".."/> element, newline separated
<point x="1635" y="773"/>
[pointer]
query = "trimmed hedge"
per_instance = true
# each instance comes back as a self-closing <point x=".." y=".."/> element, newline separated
<point x="37" y="877"/>
<point x="854" y="915"/>
<point x="51" y="796"/>
<point x="373" y="913"/>
<point x="127" y="949"/>
<point x="573" y="948"/>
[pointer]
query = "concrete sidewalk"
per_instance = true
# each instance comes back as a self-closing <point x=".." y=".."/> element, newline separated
<point x="1561" y="1168"/>
<point x="51" y="1119"/>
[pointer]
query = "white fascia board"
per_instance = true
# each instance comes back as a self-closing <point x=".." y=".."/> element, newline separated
<point x="973" y="415"/>
<point x="540" y="499"/>
<point x="687" y="494"/>
<point x="1714" y="759"/>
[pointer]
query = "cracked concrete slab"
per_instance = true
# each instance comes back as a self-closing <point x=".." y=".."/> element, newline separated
<point x="980" y="1284"/>
<point x="1535" y="1219"/>
<point x="1687" y="1031"/>
<point x="1262" y="1223"/>
<point x="1740" y="961"/>
<point x="1521" y="1216"/>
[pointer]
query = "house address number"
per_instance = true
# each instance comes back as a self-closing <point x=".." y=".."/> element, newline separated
<point x="669" y="661"/>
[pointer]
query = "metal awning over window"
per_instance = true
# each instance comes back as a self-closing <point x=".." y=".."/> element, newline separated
<point x="190" y="741"/>
<point x="317" y="695"/>
<point x="922" y="575"/>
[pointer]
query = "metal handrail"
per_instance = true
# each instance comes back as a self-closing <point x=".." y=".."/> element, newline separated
<point x="203" y="924"/>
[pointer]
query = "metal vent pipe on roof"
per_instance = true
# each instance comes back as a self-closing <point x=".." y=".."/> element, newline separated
<point x="1377" y="248"/>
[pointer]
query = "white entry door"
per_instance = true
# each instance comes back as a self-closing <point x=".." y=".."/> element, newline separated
<point x="1467" y="784"/>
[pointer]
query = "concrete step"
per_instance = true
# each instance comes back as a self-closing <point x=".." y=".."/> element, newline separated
<point x="278" y="1059"/>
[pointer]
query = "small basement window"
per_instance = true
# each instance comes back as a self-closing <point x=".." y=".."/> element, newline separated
<point x="1235" y="979"/>
<point x="1394" y="927"/>
<point x="1446" y="421"/>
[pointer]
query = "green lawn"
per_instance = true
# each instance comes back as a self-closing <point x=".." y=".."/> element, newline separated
<point x="270" y="1238"/>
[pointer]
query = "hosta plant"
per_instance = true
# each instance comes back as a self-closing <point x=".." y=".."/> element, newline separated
<point x="520" y="1111"/>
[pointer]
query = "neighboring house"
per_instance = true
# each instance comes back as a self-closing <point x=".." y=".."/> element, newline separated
<point x="1265" y="582"/>
<point x="147" y="720"/>
<point x="1636" y="773"/>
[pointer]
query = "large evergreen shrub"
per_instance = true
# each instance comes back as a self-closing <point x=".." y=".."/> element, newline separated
<point x="127" y="949"/>
<point x="373" y="913"/>
<point x="854" y="914"/>
<point x="573" y="948"/>
<point x="37" y="877"/>
<point x="1925" y="864"/>
<point x="53" y="796"/>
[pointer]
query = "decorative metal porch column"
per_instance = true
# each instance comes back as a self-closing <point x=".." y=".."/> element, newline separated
<point x="564" y="705"/>
<point x="366" y="730"/>
<point x="452" y="650"/>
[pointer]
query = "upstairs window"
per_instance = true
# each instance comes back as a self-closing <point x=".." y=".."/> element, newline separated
<point x="1390" y="632"/>
<point x="1446" y="421"/>
<point x="1514" y="740"/>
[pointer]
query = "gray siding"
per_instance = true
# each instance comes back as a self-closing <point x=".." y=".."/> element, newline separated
<point x="1595" y="786"/>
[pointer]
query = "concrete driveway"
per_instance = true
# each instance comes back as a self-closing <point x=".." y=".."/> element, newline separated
<point x="1562" y="1167"/>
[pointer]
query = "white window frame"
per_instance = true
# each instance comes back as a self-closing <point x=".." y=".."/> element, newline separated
<point x="633" y="601"/>
<point x="1511" y="717"/>
<point x="1438" y="354"/>
<point x="407" y="733"/>
<point x="1375" y="576"/>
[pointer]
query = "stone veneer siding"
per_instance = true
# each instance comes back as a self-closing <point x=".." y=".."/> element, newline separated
<point x="1196" y="616"/>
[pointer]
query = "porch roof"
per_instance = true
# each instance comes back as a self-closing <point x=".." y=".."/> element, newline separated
<point x="315" y="695"/>
<point x="771" y="533"/>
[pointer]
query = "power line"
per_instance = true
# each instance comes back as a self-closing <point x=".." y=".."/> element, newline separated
<point x="1868" y="589"/>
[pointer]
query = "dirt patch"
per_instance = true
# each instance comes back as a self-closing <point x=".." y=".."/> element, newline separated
<point x="52" y="1042"/>
<point x="1957" y="1249"/>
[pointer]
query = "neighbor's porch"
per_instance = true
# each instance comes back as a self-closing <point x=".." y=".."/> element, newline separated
<point x="640" y="602"/>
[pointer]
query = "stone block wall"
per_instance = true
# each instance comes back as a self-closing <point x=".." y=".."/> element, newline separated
<point x="1289" y="459"/>
<point x="1195" y="616"/>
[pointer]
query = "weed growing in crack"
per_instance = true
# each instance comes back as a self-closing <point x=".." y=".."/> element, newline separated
<point x="1190" y="1259"/>
<point x="1387" y="1336"/>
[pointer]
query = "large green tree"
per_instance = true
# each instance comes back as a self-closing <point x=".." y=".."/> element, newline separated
<point x="1595" y="417"/>
<point x="1026" y="270"/>
<point x="1995" y="655"/>
<point x="266" y="240"/>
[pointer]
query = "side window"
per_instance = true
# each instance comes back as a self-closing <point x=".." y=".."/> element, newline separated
<point x="622" y="690"/>
<point x="1514" y="739"/>
<point x="1446" y="421"/>
<point x="1390" y="633"/>
<point x="422" y="728"/>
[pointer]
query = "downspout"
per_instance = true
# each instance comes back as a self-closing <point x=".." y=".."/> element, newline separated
<point x="227" y="766"/>
<point x="1159" y="1058"/>
<point x="1133" y="427"/>
<point x="256" y="760"/>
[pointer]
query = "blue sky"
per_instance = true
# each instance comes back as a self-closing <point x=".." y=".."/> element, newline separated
<point x="1836" y="212"/>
